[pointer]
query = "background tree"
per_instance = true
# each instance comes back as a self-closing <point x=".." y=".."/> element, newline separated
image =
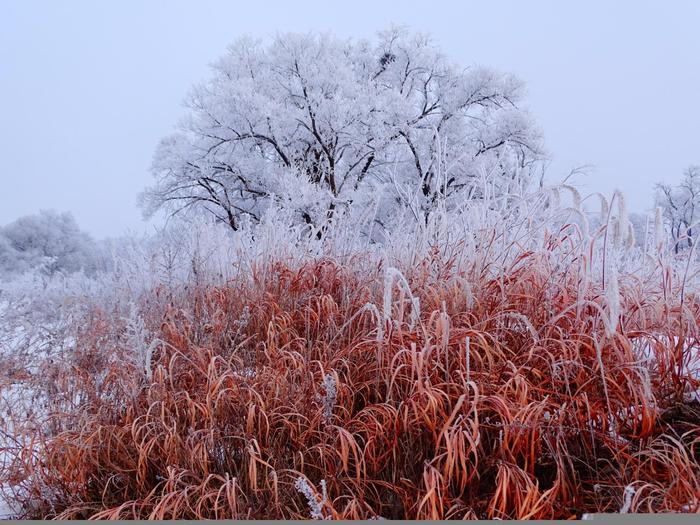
<point x="313" y="122"/>
<point x="681" y="207"/>
<point x="48" y="240"/>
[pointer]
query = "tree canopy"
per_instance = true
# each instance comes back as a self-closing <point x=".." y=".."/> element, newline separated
<point x="314" y="123"/>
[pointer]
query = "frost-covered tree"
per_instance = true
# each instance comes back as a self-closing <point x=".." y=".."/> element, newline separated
<point x="49" y="241"/>
<point x="681" y="207"/>
<point x="315" y="123"/>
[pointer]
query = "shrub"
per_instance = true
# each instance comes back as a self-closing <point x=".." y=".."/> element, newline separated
<point x="286" y="393"/>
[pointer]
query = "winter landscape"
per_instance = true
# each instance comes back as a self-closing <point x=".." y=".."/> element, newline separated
<point x="363" y="294"/>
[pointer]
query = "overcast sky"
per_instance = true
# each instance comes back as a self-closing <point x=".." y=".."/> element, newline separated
<point x="88" y="88"/>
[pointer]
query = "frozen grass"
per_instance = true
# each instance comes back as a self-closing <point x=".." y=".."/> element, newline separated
<point x="496" y="373"/>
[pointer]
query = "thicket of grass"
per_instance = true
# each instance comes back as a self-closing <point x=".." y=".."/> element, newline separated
<point x="352" y="390"/>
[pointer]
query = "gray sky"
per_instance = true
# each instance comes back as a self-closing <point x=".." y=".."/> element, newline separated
<point x="88" y="88"/>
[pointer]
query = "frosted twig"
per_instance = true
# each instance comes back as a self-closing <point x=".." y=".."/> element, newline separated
<point x="329" y="384"/>
<point x="315" y="506"/>
<point x="629" y="494"/>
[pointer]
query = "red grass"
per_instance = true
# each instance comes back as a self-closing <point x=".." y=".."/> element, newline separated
<point x="527" y="426"/>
